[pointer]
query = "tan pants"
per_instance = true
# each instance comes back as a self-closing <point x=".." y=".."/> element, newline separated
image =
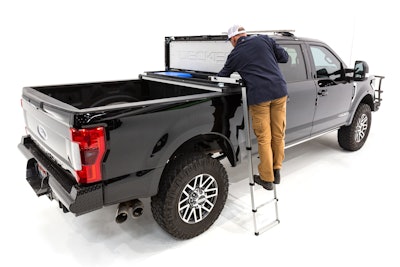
<point x="269" y="124"/>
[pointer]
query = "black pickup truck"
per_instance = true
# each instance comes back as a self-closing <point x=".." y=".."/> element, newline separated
<point x="162" y="136"/>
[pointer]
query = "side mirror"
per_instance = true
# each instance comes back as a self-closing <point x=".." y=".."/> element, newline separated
<point x="360" y="70"/>
<point x="322" y="73"/>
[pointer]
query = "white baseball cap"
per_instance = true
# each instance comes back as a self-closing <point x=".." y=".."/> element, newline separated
<point x="234" y="30"/>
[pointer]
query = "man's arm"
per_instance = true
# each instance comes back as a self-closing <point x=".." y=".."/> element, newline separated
<point x="228" y="69"/>
<point x="280" y="53"/>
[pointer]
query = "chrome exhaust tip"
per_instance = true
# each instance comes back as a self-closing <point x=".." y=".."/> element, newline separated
<point x="136" y="208"/>
<point x="122" y="212"/>
<point x="132" y="207"/>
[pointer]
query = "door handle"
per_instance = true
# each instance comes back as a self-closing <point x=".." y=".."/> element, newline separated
<point x="323" y="92"/>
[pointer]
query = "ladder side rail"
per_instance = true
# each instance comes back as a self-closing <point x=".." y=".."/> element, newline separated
<point x="249" y="155"/>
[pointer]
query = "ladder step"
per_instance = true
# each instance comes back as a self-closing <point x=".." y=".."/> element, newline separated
<point x="266" y="203"/>
<point x="267" y="227"/>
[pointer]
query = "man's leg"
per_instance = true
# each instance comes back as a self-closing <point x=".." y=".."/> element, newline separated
<point x="260" y="114"/>
<point x="278" y="127"/>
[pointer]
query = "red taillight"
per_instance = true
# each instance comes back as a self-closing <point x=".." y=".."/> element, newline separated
<point x="92" y="148"/>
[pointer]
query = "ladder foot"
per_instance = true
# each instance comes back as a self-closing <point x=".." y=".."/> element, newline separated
<point x="257" y="233"/>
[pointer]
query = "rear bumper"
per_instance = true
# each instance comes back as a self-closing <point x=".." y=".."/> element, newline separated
<point x="59" y="184"/>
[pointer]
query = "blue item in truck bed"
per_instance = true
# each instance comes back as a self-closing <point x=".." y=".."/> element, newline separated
<point x="175" y="74"/>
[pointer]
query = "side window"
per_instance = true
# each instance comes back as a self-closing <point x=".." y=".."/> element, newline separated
<point x="326" y="64"/>
<point x="294" y="70"/>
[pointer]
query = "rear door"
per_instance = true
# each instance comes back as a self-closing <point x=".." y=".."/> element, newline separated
<point x="302" y="93"/>
<point x="334" y="92"/>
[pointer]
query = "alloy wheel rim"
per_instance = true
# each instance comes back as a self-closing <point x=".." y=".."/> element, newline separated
<point x="361" y="128"/>
<point x="198" y="198"/>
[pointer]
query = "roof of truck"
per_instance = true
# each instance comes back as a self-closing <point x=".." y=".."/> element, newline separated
<point x="291" y="36"/>
<point x="276" y="34"/>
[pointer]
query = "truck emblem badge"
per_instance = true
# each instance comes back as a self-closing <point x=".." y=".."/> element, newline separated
<point x="42" y="132"/>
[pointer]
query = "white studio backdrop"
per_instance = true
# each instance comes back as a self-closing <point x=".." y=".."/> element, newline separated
<point x="60" y="42"/>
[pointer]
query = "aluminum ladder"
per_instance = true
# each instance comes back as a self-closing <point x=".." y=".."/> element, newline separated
<point x="236" y="79"/>
<point x="274" y="199"/>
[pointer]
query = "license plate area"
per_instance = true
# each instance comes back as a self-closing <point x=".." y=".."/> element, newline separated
<point x="37" y="177"/>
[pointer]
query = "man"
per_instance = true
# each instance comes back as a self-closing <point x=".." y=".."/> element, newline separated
<point x="256" y="59"/>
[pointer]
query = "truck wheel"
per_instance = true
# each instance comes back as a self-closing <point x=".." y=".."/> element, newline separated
<point x="353" y="137"/>
<point x="191" y="196"/>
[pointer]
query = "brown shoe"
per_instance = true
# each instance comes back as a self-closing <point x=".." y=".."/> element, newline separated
<point x="265" y="184"/>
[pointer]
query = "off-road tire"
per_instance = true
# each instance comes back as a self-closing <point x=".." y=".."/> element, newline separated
<point x="353" y="137"/>
<point x="195" y="173"/>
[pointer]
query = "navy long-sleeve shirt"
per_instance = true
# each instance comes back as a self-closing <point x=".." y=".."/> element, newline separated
<point x="256" y="59"/>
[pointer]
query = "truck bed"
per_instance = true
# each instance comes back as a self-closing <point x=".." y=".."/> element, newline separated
<point x="151" y="88"/>
<point x="82" y="96"/>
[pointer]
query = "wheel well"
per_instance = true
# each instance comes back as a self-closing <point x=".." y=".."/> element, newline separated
<point x="369" y="101"/>
<point x="214" y="144"/>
